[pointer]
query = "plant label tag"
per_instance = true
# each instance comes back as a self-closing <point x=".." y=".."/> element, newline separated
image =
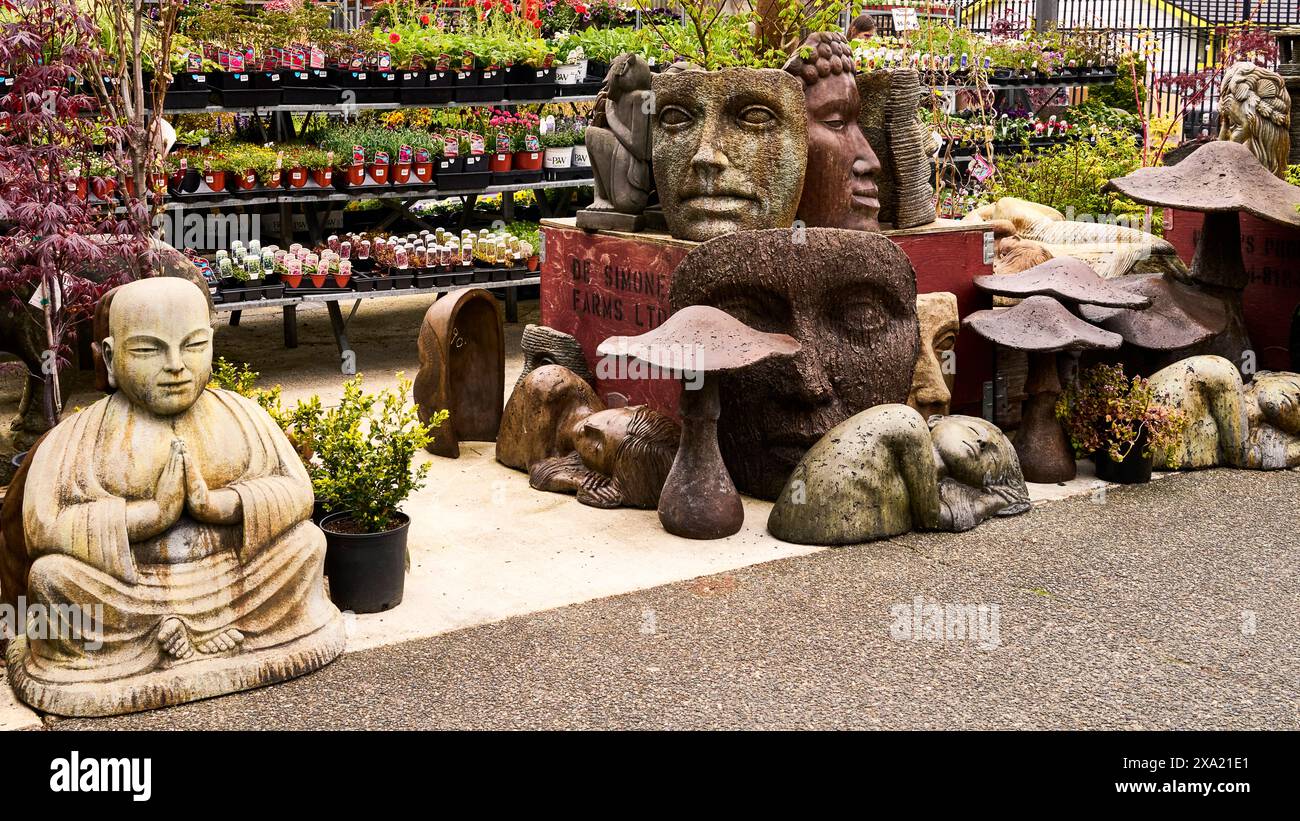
<point x="531" y="143"/>
<point x="381" y="158"/>
<point x="422" y="155"/>
<point x="404" y="154"/>
<point x="358" y="154"/>
<point x="385" y="60"/>
<point x="451" y="147"/>
<point x="317" y="57"/>
<point x="503" y="142"/>
<point x="477" y="145"/>
<point x="980" y="168"/>
<point x="194" y="62"/>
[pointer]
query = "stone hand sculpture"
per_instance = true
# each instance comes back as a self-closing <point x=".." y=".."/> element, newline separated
<point x="847" y="297"/>
<point x="839" y="189"/>
<point x="1255" y="110"/>
<point x="618" y="141"/>
<point x="185" y="513"/>
<point x="558" y="430"/>
<point x="730" y="148"/>
<point x="884" y="472"/>
<point x="932" y="378"/>
<point x="1255" y="426"/>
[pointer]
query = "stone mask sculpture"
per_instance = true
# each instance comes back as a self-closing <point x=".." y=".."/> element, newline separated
<point x="890" y="101"/>
<point x="884" y="472"/>
<point x="932" y="378"/>
<point x="1255" y="110"/>
<point x="557" y="429"/>
<point x="185" y="512"/>
<point x="839" y="189"/>
<point x="618" y="142"/>
<point x="847" y="297"/>
<point x="730" y="149"/>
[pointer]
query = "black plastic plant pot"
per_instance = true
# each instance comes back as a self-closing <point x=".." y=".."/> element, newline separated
<point x="597" y="70"/>
<point x="185" y="99"/>
<point x="311" y="95"/>
<point x="413" y="78"/>
<point x="363" y="283"/>
<point x="384" y="79"/>
<point x="1134" y="469"/>
<point x="266" y="79"/>
<point x="428" y="95"/>
<point x="476" y="164"/>
<point x="481" y="93"/>
<point x="464" y="78"/>
<point x="444" y="78"/>
<point x="230" y="80"/>
<point x="451" y="165"/>
<point x="366" y="571"/>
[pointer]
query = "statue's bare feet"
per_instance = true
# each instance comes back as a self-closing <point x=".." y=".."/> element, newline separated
<point x="227" y="639"/>
<point x="175" y="639"/>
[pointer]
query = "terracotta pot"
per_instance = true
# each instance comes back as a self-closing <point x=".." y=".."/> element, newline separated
<point x="401" y="173"/>
<point x="130" y="186"/>
<point x="533" y="262"/>
<point x="528" y="160"/>
<point x="246" y="181"/>
<point x="276" y="179"/>
<point x="78" y="187"/>
<point x="322" y="176"/>
<point x="356" y="173"/>
<point x="158" y="182"/>
<point x="378" y="172"/>
<point x="292" y="280"/>
<point x="500" y="161"/>
<point x="318" y="280"/>
<point x="423" y="171"/>
<point x="298" y="177"/>
<point x="341" y="280"/>
<point x="216" y="180"/>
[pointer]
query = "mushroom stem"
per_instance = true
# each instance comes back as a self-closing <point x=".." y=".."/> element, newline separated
<point x="699" y="500"/>
<point x="1217" y="260"/>
<point x="1044" y="451"/>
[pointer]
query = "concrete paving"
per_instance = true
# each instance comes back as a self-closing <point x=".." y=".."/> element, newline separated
<point x="1169" y="605"/>
<point x="485" y="548"/>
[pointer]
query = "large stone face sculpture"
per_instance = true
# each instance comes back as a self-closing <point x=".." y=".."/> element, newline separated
<point x="932" y="378"/>
<point x="730" y="149"/>
<point x="462" y="368"/>
<point x="847" y="297"/>
<point x="890" y="100"/>
<point x="185" y="512"/>
<point x="1255" y="110"/>
<point x="839" y="189"/>
<point x="618" y="142"/>
<point x="558" y="430"/>
<point x="884" y="472"/>
<point x="1255" y="426"/>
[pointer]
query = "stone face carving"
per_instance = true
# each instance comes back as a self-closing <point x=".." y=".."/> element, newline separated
<point x="558" y="430"/>
<point x="1255" y="110"/>
<point x="462" y="368"/>
<point x="699" y="500"/>
<point x="1255" y="426"/>
<point x="884" y="472"/>
<point x="1042" y="327"/>
<point x="979" y="475"/>
<point x="618" y="142"/>
<point x="847" y="297"/>
<point x="890" y="101"/>
<point x="839" y="189"/>
<point x="932" y="380"/>
<point x="185" y="512"/>
<point x="546" y="346"/>
<point x="730" y="148"/>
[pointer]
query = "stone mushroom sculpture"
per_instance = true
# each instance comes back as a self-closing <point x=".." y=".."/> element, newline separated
<point x="1219" y="179"/>
<point x="699" y="499"/>
<point x="1179" y="318"/>
<point x="1066" y="279"/>
<point x="1042" y="327"/>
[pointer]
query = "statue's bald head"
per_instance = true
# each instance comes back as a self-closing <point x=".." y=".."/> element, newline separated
<point x="159" y="348"/>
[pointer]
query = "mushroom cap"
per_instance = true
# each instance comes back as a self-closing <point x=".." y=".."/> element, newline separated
<point x="1041" y="324"/>
<point x="1219" y="176"/>
<point x="1065" y="278"/>
<point x="1180" y="315"/>
<point x="701" y="338"/>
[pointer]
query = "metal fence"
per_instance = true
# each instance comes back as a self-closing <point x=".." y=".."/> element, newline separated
<point x="1188" y="33"/>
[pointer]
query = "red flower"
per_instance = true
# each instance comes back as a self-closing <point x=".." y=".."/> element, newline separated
<point x="580" y="8"/>
<point x="537" y="24"/>
<point x="509" y="7"/>
<point x="424" y="19"/>
<point x="394" y="38"/>
<point x="487" y="5"/>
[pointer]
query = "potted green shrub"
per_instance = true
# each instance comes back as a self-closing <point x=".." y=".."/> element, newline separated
<point x="1118" y="422"/>
<point x="361" y="467"/>
<point x="558" y="148"/>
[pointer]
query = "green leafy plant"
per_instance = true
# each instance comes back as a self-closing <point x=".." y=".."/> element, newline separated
<point x="363" y="451"/>
<point x="1103" y="409"/>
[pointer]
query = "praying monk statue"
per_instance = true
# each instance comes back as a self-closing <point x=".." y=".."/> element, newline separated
<point x="184" y="512"/>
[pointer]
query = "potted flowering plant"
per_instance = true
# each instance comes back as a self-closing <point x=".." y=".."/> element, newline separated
<point x="558" y="148"/>
<point x="1118" y="422"/>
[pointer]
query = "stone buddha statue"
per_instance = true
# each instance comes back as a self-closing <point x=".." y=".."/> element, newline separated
<point x="182" y="510"/>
